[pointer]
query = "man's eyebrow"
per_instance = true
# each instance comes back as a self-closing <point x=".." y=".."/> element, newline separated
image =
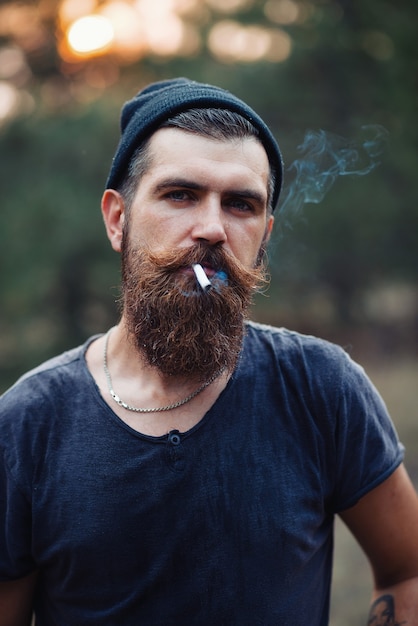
<point x="250" y="194"/>
<point x="169" y="183"/>
<point x="185" y="183"/>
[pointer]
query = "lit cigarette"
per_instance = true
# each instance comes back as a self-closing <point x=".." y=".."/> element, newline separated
<point x="201" y="277"/>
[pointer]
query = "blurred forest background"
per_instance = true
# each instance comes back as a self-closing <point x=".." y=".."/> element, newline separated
<point x="344" y="267"/>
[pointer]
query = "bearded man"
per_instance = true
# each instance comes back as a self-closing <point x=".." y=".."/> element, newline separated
<point x="186" y="466"/>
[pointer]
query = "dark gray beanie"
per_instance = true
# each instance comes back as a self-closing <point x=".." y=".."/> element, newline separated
<point x="155" y="104"/>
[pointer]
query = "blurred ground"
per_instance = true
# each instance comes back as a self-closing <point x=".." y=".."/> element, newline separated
<point x="397" y="381"/>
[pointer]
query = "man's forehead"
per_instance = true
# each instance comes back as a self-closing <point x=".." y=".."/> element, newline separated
<point x="176" y="155"/>
<point x="167" y="144"/>
<point x="168" y="134"/>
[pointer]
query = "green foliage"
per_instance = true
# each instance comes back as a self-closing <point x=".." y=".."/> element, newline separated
<point x="56" y="270"/>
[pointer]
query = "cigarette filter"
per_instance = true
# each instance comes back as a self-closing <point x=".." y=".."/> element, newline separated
<point x="201" y="277"/>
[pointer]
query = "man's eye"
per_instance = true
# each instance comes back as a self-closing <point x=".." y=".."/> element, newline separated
<point x="240" y="205"/>
<point x="178" y="195"/>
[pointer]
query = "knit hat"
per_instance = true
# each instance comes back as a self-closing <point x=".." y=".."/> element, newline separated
<point x="155" y="104"/>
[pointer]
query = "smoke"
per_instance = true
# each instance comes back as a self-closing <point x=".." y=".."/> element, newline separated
<point x="323" y="157"/>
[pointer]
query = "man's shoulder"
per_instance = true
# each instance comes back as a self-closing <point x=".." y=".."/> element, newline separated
<point x="39" y="410"/>
<point x="290" y="343"/>
<point x="303" y="358"/>
<point x="54" y="371"/>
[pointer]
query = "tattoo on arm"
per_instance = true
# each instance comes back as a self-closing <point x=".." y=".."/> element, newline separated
<point x="382" y="612"/>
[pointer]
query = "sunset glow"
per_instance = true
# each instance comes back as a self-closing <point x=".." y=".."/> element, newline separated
<point x="131" y="29"/>
<point x="95" y="39"/>
<point x="90" y="34"/>
<point x="230" y="41"/>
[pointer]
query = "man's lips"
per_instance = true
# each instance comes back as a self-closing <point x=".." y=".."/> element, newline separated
<point x="209" y="271"/>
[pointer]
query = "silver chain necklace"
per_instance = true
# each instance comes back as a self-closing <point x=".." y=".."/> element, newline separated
<point x="136" y="409"/>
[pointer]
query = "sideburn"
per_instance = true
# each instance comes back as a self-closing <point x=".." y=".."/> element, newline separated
<point x="177" y="327"/>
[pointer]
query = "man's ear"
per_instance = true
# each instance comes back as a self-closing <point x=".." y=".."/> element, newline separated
<point x="269" y="228"/>
<point x="113" y="211"/>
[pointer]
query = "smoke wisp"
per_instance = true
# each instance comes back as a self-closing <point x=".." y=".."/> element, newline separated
<point x="323" y="157"/>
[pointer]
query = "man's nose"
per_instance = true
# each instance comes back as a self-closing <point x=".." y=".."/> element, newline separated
<point x="210" y="226"/>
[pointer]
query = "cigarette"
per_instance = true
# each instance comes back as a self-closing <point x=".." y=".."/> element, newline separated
<point x="201" y="277"/>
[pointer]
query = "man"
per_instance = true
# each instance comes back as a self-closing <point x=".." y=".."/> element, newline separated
<point x="186" y="467"/>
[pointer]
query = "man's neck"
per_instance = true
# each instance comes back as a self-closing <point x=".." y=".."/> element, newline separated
<point x="141" y="386"/>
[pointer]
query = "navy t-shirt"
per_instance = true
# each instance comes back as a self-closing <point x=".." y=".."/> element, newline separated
<point x="229" y="523"/>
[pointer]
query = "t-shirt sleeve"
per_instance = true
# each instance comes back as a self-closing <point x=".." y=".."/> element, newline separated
<point x="367" y="447"/>
<point x="15" y="527"/>
<point x="15" y="494"/>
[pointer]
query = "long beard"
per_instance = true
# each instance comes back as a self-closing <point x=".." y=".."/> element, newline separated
<point x="177" y="327"/>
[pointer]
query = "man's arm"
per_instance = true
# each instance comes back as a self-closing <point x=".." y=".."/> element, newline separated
<point x="16" y="597"/>
<point x="385" y="523"/>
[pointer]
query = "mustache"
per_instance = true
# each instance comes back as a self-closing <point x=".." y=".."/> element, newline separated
<point x="174" y="260"/>
<point x="214" y="257"/>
